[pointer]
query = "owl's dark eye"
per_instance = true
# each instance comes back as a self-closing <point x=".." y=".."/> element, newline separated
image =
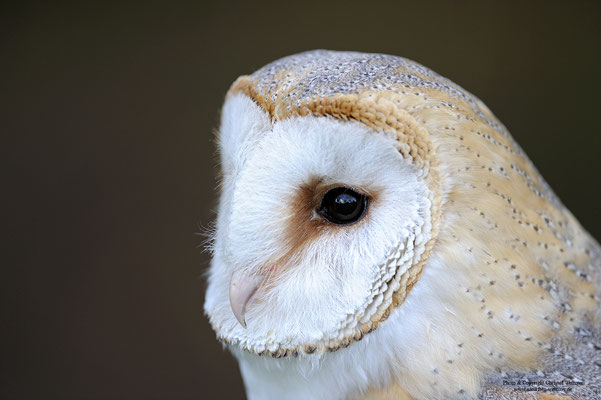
<point x="343" y="206"/>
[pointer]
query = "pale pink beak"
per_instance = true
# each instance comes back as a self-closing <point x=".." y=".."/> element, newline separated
<point x="243" y="287"/>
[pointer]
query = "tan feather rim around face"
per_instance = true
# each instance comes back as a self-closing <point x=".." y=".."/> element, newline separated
<point x="378" y="111"/>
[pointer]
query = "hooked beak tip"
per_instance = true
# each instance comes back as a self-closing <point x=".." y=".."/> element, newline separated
<point x="242" y="290"/>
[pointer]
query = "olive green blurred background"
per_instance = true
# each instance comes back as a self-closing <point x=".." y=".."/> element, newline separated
<point x="107" y="120"/>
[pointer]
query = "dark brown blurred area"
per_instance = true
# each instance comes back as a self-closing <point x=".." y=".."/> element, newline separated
<point x="107" y="121"/>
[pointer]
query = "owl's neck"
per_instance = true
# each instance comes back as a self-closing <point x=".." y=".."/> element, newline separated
<point x="362" y="371"/>
<point x="339" y="375"/>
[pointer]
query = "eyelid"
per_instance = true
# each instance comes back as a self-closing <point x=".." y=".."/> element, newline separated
<point x="322" y="188"/>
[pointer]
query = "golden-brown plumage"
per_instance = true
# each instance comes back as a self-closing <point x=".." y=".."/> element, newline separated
<point x="528" y="297"/>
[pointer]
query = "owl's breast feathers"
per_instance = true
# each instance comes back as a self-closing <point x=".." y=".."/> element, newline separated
<point x="531" y="293"/>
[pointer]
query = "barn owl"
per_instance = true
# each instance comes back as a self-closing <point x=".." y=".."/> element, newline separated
<point x="380" y="235"/>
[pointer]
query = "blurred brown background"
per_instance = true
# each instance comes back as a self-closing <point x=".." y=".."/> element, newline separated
<point x="107" y="116"/>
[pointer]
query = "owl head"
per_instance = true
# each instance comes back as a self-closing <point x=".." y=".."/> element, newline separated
<point x="364" y="198"/>
<point x="328" y="211"/>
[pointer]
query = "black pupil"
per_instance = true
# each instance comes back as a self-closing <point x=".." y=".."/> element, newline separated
<point x="343" y="206"/>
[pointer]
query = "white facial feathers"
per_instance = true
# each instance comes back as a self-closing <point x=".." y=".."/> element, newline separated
<point x="310" y="276"/>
